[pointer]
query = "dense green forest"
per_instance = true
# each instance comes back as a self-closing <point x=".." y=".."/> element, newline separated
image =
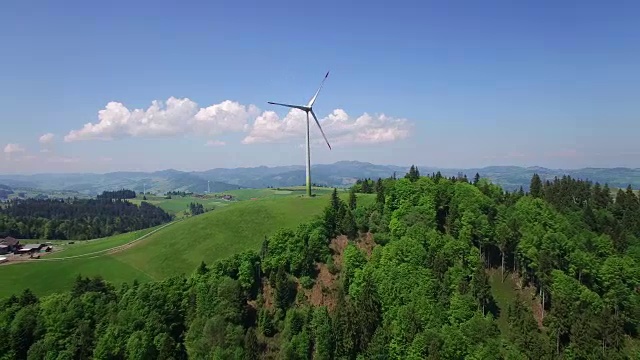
<point x="118" y="194"/>
<point x="77" y="219"/>
<point x="325" y="291"/>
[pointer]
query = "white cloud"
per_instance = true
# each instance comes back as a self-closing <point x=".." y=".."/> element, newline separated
<point x="46" y="138"/>
<point x="339" y="127"/>
<point x="176" y="116"/>
<point x="215" y="143"/>
<point x="184" y="116"/>
<point x="13" y="148"/>
<point x="223" y="117"/>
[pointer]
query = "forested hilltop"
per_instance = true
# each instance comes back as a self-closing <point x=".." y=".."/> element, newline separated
<point x="77" y="219"/>
<point x="404" y="278"/>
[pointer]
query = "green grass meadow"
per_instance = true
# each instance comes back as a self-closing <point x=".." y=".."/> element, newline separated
<point x="176" y="249"/>
<point x="218" y="234"/>
<point x="52" y="276"/>
<point x="276" y="193"/>
<point x="91" y="246"/>
<point x="177" y="205"/>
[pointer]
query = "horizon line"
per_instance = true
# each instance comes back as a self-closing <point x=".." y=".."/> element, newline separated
<point x="319" y="164"/>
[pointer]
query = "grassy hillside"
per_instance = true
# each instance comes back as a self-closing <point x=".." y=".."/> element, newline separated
<point x="177" y="205"/>
<point x="79" y="248"/>
<point x="274" y="193"/>
<point x="52" y="276"/>
<point x="176" y="249"/>
<point x="218" y="234"/>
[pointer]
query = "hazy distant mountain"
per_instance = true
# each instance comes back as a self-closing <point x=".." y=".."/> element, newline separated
<point x="91" y="184"/>
<point x="512" y="177"/>
<point x="341" y="173"/>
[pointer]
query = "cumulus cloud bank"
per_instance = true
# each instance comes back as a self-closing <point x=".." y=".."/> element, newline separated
<point x="183" y="116"/>
<point x="13" y="148"/>
<point x="339" y="127"/>
<point x="173" y="117"/>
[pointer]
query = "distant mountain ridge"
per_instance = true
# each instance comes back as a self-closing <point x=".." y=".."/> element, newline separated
<point x="341" y="173"/>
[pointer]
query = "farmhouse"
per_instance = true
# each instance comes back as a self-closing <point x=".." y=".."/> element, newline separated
<point x="33" y="248"/>
<point x="9" y="244"/>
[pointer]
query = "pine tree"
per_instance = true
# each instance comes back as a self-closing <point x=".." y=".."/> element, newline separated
<point x="348" y="225"/>
<point x="368" y="314"/>
<point x="366" y="186"/>
<point x="202" y="269"/>
<point x="285" y="290"/>
<point x="251" y="345"/>
<point x="352" y="199"/>
<point x="335" y="200"/>
<point x="476" y="179"/>
<point x="535" y="189"/>
<point x="264" y="249"/>
<point x="411" y="173"/>
<point x="380" y="195"/>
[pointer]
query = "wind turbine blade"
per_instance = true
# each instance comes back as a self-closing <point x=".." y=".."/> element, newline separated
<point x="319" y="127"/>
<point x="290" y="106"/>
<point x="313" y="99"/>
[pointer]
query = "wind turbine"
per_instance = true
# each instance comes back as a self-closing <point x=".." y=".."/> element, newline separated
<point x="309" y="109"/>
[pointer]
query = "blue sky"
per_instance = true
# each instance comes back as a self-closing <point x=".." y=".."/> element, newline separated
<point x="450" y="84"/>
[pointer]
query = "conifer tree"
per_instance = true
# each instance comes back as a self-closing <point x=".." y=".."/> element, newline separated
<point x="251" y="345"/>
<point x="352" y="199"/>
<point x="380" y="195"/>
<point x="535" y="189"/>
<point x="335" y="201"/>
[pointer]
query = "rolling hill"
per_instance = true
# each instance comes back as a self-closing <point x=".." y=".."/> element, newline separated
<point x="176" y="249"/>
<point x="342" y="173"/>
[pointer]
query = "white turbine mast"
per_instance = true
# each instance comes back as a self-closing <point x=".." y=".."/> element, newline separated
<point x="309" y="109"/>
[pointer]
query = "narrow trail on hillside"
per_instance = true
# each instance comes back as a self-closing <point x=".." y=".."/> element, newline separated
<point x="96" y="254"/>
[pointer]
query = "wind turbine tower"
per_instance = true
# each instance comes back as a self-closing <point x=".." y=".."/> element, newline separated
<point x="309" y="109"/>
